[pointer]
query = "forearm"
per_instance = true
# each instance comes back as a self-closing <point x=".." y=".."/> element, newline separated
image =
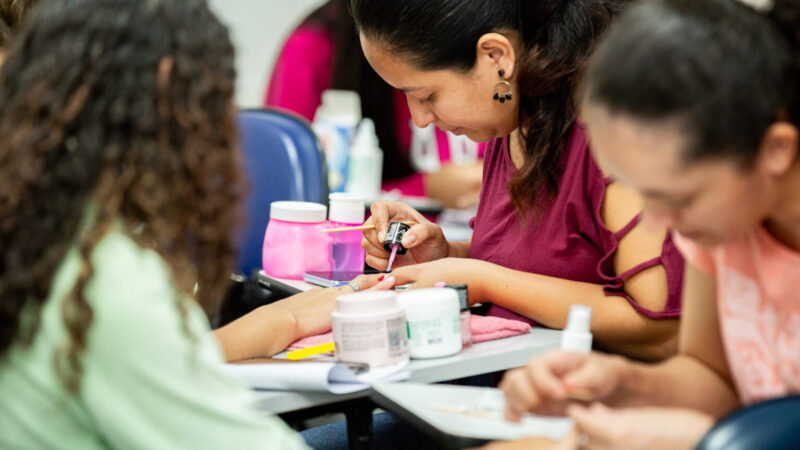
<point x="458" y="249"/>
<point x="616" y="326"/>
<point x="263" y="332"/>
<point x="681" y="381"/>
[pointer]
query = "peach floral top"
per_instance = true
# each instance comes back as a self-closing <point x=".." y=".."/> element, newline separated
<point x="758" y="301"/>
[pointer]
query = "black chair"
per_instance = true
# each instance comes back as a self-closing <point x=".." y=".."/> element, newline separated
<point x="773" y="425"/>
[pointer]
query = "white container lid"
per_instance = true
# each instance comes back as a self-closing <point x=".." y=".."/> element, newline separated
<point x="366" y="302"/>
<point x="339" y="106"/>
<point x="429" y="301"/>
<point x="303" y="212"/>
<point x="346" y="208"/>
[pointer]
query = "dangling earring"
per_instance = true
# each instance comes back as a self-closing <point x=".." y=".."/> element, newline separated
<point x="502" y="97"/>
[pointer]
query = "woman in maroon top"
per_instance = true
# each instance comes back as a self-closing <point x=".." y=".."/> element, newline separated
<point x="551" y="230"/>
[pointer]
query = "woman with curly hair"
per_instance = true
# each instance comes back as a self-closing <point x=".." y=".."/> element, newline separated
<point x="119" y="181"/>
<point x="11" y="14"/>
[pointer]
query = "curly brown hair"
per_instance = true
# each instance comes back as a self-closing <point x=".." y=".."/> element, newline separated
<point x="124" y="108"/>
<point x="11" y="14"/>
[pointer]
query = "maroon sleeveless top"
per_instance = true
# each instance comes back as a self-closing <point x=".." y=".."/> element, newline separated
<point x="568" y="239"/>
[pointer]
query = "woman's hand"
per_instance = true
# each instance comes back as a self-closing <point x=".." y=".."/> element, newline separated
<point x="311" y="310"/>
<point x="456" y="185"/>
<point x="548" y="382"/>
<point x="424" y="241"/>
<point x="600" y="427"/>
<point x="271" y="328"/>
<point x="450" y="270"/>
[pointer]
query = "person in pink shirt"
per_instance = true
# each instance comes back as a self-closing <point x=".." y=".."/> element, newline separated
<point x="324" y="53"/>
<point x="696" y="105"/>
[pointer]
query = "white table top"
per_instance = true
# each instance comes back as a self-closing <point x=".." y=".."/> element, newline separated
<point x="485" y="357"/>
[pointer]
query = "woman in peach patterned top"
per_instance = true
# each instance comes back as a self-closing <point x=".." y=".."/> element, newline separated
<point x="696" y="105"/>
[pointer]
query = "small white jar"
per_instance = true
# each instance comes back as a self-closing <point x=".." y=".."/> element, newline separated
<point x="433" y="321"/>
<point x="369" y="327"/>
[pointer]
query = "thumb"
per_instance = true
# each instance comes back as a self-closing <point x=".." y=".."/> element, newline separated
<point x="587" y="378"/>
<point x="420" y="234"/>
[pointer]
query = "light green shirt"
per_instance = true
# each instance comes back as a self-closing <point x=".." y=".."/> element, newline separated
<point x="145" y="383"/>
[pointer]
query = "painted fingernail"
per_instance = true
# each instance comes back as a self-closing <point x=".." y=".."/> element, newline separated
<point x="380" y="278"/>
<point x="381" y="235"/>
<point x="409" y="240"/>
<point x="390" y="279"/>
<point x="439" y="284"/>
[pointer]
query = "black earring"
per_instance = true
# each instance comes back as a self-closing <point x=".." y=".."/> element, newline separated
<point x="502" y="97"/>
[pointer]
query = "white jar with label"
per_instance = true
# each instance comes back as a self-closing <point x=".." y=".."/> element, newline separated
<point x="369" y="327"/>
<point x="433" y="321"/>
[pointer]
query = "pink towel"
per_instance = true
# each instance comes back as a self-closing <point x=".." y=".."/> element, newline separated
<point x="489" y="328"/>
<point x="483" y="328"/>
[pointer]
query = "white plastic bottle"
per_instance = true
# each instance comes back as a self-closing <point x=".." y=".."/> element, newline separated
<point x="576" y="337"/>
<point x="366" y="163"/>
<point x="335" y="123"/>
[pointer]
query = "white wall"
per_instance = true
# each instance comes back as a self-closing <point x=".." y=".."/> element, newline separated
<point x="258" y="29"/>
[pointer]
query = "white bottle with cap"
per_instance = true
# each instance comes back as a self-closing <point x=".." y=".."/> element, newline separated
<point x="347" y="210"/>
<point x="335" y="123"/>
<point x="366" y="163"/>
<point x="576" y="337"/>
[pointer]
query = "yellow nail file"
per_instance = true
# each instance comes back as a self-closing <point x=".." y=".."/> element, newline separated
<point x="310" y="351"/>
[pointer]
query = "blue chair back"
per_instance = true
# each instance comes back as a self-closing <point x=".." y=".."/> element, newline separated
<point x="283" y="160"/>
<point x="773" y="424"/>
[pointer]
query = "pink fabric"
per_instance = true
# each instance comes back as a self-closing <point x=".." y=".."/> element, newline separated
<point x="758" y="303"/>
<point x="569" y="241"/>
<point x="303" y="71"/>
<point x="487" y="328"/>
<point x="483" y="329"/>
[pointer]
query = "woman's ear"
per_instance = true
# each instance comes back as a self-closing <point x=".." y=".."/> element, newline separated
<point x="496" y="51"/>
<point x="778" y="148"/>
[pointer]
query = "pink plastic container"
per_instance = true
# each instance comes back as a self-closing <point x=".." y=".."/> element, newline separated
<point x="347" y="210"/>
<point x="294" y="242"/>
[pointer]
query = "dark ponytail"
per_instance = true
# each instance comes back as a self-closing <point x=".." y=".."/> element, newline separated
<point x="719" y="70"/>
<point x="558" y="36"/>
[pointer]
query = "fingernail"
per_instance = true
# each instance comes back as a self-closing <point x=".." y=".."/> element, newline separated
<point x="390" y="279"/>
<point x="439" y="284"/>
<point x="380" y="278"/>
<point x="408" y="240"/>
<point x="381" y="235"/>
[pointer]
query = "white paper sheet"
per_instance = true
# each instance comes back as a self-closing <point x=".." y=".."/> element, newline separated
<point x="336" y="378"/>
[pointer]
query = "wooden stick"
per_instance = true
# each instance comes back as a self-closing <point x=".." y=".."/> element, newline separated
<point x="360" y="227"/>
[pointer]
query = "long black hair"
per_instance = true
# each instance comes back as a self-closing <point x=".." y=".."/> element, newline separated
<point x="557" y="36"/>
<point x="351" y="71"/>
<point x="720" y="70"/>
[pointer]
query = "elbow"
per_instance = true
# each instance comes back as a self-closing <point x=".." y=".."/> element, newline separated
<point x="656" y="341"/>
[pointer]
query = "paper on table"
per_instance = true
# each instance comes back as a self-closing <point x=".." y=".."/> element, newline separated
<point x="336" y="378"/>
<point x="450" y="409"/>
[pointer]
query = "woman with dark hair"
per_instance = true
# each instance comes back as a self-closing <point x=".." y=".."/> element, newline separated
<point x="696" y="105"/>
<point x="119" y="187"/>
<point x="552" y="229"/>
<point x="324" y="52"/>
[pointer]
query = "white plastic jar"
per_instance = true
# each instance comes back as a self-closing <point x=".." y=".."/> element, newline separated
<point x="369" y="327"/>
<point x="433" y="321"/>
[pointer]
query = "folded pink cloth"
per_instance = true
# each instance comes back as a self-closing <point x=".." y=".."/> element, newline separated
<point x="483" y="328"/>
<point x="489" y="328"/>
